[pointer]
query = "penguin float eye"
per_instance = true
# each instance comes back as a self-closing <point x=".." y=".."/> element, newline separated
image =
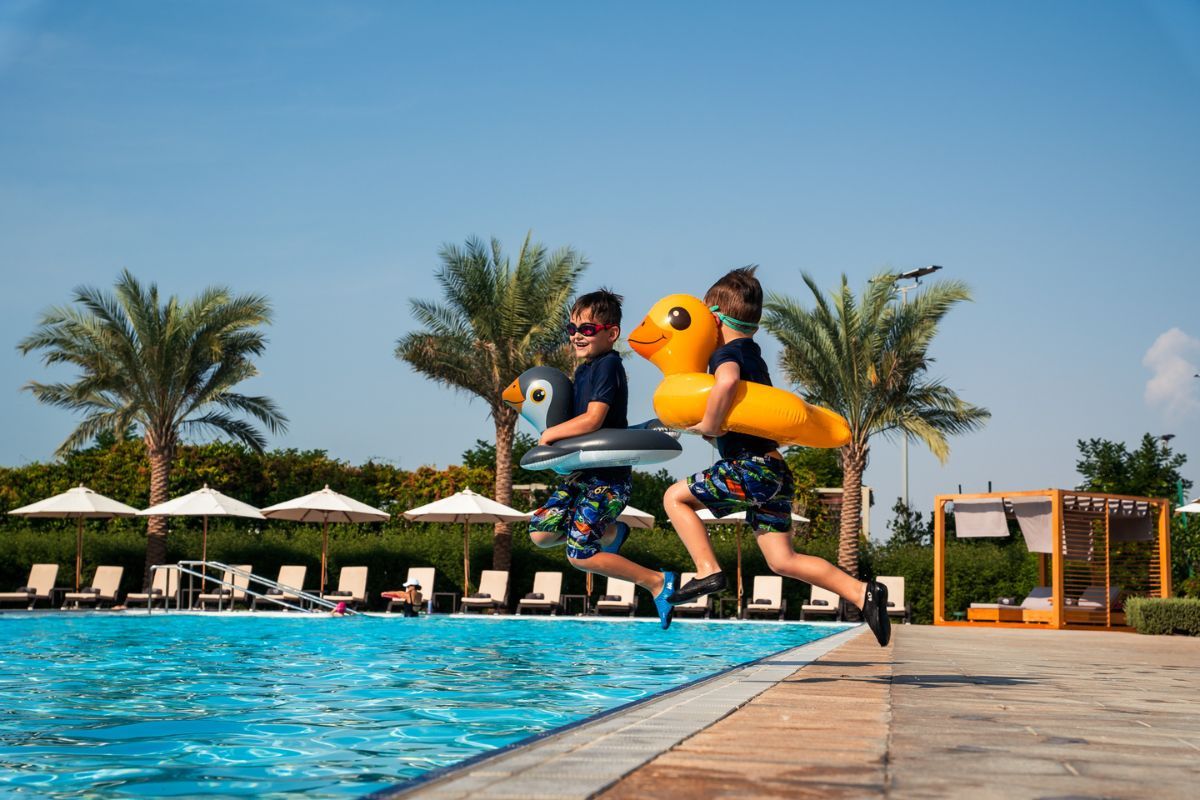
<point x="537" y="395"/>
<point x="679" y="318"/>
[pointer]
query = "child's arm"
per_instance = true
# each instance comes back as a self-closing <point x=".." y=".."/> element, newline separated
<point x="588" y="421"/>
<point x="720" y="398"/>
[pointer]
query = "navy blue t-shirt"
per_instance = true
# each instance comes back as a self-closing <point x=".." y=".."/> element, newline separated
<point x="602" y="380"/>
<point x="748" y="356"/>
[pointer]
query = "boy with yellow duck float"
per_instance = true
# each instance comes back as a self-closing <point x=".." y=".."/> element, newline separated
<point x="716" y="383"/>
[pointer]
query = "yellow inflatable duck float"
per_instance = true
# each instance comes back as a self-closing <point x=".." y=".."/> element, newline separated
<point x="678" y="336"/>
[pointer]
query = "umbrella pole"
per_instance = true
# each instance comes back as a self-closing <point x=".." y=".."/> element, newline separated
<point x="739" y="567"/>
<point x="324" y="550"/>
<point x="466" y="561"/>
<point x="78" y="552"/>
<point x="204" y="557"/>
<point x="588" y="590"/>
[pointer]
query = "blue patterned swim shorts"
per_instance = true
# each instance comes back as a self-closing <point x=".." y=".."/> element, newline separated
<point x="582" y="508"/>
<point x="759" y="485"/>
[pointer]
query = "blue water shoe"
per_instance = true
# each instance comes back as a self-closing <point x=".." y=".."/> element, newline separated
<point x="665" y="609"/>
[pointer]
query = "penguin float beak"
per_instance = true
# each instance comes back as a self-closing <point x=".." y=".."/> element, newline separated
<point x="648" y="338"/>
<point x="513" y="395"/>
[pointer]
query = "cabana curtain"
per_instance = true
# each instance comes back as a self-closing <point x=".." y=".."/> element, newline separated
<point x="974" y="519"/>
<point x="1033" y="515"/>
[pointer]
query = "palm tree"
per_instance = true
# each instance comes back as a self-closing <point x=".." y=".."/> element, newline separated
<point x="167" y="369"/>
<point x="497" y="321"/>
<point x="867" y="358"/>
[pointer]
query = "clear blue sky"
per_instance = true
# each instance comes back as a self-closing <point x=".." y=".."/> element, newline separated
<point x="1046" y="153"/>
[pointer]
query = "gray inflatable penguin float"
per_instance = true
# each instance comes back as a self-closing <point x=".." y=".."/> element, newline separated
<point x="542" y="395"/>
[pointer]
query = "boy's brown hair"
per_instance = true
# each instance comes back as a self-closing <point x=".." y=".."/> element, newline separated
<point x="738" y="295"/>
<point x="604" y="305"/>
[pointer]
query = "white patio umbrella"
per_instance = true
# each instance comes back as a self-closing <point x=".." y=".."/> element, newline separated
<point x="1191" y="508"/>
<point x="636" y="518"/>
<point x="203" y="502"/>
<point x="738" y="518"/>
<point x="465" y="507"/>
<point x="79" y="503"/>
<point x="325" y="506"/>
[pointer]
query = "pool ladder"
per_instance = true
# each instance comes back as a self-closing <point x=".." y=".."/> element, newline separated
<point x="196" y="569"/>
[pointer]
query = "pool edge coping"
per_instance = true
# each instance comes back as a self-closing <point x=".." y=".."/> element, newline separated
<point x="739" y="684"/>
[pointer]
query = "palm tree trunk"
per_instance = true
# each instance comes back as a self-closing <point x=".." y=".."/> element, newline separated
<point x="506" y="422"/>
<point x="854" y="463"/>
<point x="156" y="531"/>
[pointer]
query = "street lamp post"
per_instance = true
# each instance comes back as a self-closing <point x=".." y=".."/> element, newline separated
<point x="915" y="276"/>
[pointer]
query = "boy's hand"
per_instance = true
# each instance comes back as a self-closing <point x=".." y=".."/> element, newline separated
<point x="546" y="438"/>
<point x="708" y="430"/>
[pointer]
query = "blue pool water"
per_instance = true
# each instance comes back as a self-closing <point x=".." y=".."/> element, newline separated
<point x="267" y="706"/>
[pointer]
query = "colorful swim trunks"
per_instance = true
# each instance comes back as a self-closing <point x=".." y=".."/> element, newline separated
<point x="759" y="485"/>
<point x="582" y="508"/>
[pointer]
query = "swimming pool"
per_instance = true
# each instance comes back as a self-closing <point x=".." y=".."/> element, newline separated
<point x="270" y="706"/>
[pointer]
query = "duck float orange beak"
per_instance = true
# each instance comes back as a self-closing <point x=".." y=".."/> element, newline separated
<point x="678" y="336"/>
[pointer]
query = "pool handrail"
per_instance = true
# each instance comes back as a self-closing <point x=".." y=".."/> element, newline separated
<point x="188" y="568"/>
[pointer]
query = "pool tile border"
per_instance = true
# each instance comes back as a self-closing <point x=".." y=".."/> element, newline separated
<point x="587" y="757"/>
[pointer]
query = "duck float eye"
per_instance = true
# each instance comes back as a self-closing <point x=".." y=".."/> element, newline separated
<point x="538" y="395"/>
<point x="679" y="319"/>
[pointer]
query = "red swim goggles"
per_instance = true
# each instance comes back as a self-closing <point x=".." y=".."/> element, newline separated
<point x="588" y="328"/>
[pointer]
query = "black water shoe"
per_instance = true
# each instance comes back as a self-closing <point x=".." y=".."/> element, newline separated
<point x="698" y="587"/>
<point x="875" y="612"/>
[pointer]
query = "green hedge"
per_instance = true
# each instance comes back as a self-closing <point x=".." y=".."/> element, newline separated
<point x="1155" y="615"/>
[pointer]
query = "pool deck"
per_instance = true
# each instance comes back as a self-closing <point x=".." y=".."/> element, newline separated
<point x="942" y="712"/>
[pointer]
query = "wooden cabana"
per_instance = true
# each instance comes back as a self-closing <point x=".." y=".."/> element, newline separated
<point x="1093" y="551"/>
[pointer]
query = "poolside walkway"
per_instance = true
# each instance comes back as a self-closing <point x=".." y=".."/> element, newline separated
<point x="942" y="712"/>
<point x="954" y="712"/>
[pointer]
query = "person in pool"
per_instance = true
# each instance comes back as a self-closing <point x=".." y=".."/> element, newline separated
<point x="751" y="475"/>
<point x="410" y="598"/>
<point x="583" y="509"/>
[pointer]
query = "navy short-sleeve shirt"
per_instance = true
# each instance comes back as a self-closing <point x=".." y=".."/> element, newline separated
<point x="602" y="380"/>
<point x="748" y="356"/>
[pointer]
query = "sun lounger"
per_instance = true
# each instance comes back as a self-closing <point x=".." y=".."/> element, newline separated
<point x="1093" y="598"/>
<point x="291" y="576"/>
<point x="163" y="588"/>
<point x="104" y="588"/>
<point x="618" y="598"/>
<point x="767" y="597"/>
<point x="224" y="595"/>
<point x="492" y="595"/>
<point x="424" y="576"/>
<point x="897" y="606"/>
<point x="822" y="603"/>
<point x="1038" y="601"/>
<point x="1090" y="608"/>
<point x="546" y="595"/>
<point x="352" y="587"/>
<point x="41" y="581"/>
<point x="701" y="606"/>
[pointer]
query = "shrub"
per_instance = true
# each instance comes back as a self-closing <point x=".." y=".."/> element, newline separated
<point x="1155" y="615"/>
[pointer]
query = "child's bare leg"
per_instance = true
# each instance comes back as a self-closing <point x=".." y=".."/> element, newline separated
<point x="783" y="560"/>
<point x="611" y="565"/>
<point x="681" y="507"/>
<point x="547" y="538"/>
